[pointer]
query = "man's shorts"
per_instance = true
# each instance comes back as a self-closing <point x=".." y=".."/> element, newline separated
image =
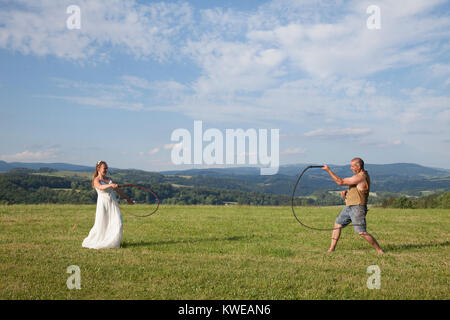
<point x="354" y="214"/>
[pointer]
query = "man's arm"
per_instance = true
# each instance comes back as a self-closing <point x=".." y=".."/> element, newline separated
<point x="343" y="182"/>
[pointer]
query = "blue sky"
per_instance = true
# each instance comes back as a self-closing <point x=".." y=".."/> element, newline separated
<point x="118" y="87"/>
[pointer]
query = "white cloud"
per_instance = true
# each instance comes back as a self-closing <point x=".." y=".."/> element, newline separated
<point x="290" y="67"/>
<point x="408" y="117"/>
<point x="323" y="39"/>
<point x="129" y="93"/>
<point x="172" y="145"/>
<point x="338" y="132"/>
<point x="336" y="41"/>
<point x="149" y="152"/>
<point x="421" y="107"/>
<point x="153" y="151"/>
<point x="389" y="143"/>
<point x="231" y="68"/>
<point x="440" y="69"/>
<point x="308" y="61"/>
<point x="27" y="155"/>
<point x="143" y="30"/>
<point x="136" y="82"/>
<point x="102" y="102"/>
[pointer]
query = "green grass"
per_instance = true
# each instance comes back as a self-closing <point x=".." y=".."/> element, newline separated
<point x="224" y="252"/>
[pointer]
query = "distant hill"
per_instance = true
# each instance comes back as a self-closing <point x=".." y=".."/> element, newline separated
<point x="394" y="169"/>
<point x="6" y="166"/>
<point x="393" y="178"/>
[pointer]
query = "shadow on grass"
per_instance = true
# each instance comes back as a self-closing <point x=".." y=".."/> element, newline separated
<point x="152" y="243"/>
<point x="404" y="247"/>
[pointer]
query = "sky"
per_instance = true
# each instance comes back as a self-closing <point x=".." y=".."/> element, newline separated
<point x="116" y="86"/>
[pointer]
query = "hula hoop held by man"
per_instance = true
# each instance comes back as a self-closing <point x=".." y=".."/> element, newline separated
<point x="355" y="209"/>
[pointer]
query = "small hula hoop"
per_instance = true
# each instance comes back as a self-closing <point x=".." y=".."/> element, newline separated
<point x="293" y="211"/>
<point x="148" y="190"/>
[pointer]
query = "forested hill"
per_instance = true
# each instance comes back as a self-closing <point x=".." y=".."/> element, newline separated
<point x="377" y="170"/>
<point x="397" y="177"/>
<point x="6" y="166"/>
<point x="394" y="178"/>
<point x="395" y="169"/>
<point x="215" y="186"/>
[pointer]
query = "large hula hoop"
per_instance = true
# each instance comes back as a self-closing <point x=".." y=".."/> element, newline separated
<point x="293" y="211"/>
<point x="148" y="190"/>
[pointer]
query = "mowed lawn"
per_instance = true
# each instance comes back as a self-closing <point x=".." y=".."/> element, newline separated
<point x="222" y="252"/>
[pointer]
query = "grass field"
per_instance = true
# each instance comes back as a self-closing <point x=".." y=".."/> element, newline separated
<point x="223" y="252"/>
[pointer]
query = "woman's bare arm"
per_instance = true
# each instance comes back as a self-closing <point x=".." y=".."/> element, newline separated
<point x="100" y="186"/>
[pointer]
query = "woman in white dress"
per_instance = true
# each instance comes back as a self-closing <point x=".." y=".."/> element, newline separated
<point x="108" y="228"/>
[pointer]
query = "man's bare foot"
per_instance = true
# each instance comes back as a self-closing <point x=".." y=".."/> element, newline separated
<point x="330" y="250"/>
<point x="380" y="251"/>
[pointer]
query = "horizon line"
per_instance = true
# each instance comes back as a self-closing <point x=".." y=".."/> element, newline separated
<point x="213" y="167"/>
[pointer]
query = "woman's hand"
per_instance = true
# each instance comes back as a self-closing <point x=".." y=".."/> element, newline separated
<point x="344" y="194"/>
<point x="114" y="186"/>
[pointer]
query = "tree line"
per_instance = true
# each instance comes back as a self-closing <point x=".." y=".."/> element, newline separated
<point x="25" y="186"/>
<point x="20" y="187"/>
<point x="441" y="201"/>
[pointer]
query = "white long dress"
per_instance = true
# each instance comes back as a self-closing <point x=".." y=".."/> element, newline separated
<point x="107" y="230"/>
